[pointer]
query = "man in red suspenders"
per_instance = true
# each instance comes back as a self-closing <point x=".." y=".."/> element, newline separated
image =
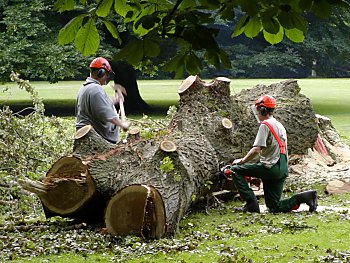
<point x="270" y="146"/>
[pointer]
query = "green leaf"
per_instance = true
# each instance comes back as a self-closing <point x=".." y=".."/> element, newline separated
<point x="299" y="22"/>
<point x="64" y="5"/>
<point x="295" y="35"/>
<point x="187" y="4"/>
<point x="322" y="9"/>
<point x="147" y="22"/>
<point x="151" y="48"/>
<point x="193" y="64"/>
<point x="104" y="8"/>
<point x="175" y="65"/>
<point x="210" y="4"/>
<point x="249" y="7"/>
<point x="271" y="25"/>
<point x="132" y="52"/>
<point x="227" y="12"/>
<point x="113" y="30"/>
<point x="225" y="59"/>
<point x="121" y="7"/>
<point x="305" y="5"/>
<point x="253" y="27"/>
<point x="87" y="39"/>
<point x="67" y="34"/>
<point x="285" y="20"/>
<point x="239" y="28"/>
<point x="213" y="58"/>
<point x="274" y="38"/>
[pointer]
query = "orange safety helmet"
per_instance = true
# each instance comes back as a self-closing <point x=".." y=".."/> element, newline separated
<point x="101" y="62"/>
<point x="266" y="101"/>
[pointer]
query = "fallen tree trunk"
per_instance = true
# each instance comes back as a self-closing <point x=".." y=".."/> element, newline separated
<point x="160" y="178"/>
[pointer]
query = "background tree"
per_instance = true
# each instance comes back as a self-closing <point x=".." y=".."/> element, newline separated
<point x="327" y="42"/>
<point x="28" y="43"/>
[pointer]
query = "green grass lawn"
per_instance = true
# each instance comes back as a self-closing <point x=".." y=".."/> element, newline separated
<point x="222" y="234"/>
<point x="330" y="97"/>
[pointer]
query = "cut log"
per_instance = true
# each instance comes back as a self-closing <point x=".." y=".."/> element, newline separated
<point x="72" y="187"/>
<point x="226" y="123"/>
<point x="82" y="132"/>
<point x="136" y="210"/>
<point x="86" y="183"/>
<point x="167" y="146"/>
<point x="134" y="134"/>
<point x="187" y="83"/>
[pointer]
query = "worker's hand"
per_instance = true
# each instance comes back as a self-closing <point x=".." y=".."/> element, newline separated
<point x="119" y="88"/>
<point x="118" y="97"/>
<point x="237" y="161"/>
<point x="124" y="125"/>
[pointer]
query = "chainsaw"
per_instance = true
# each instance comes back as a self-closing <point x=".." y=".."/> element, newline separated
<point x="226" y="174"/>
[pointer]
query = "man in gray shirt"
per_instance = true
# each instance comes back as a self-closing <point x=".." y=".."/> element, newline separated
<point x="270" y="146"/>
<point x="94" y="107"/>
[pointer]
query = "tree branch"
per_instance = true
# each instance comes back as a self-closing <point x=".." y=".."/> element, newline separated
<point x="167" y="18"/>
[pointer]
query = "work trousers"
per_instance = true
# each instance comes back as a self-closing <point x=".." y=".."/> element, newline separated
<point x="273" y="182"/>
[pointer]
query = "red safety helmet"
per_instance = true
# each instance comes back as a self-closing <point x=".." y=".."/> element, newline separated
<point x="101" y="62"/>
<point x="266" y="101"/>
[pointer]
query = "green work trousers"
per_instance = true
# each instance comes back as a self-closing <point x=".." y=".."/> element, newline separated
<point x="273" y="182"/>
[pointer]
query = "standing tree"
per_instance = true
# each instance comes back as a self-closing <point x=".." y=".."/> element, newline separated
<point x="28" y="43"/>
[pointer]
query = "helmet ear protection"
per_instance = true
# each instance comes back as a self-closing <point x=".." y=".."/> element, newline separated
<point x="102" y="65"/>
<point x="263" y="111"/>
<point x="265" y="103"/>
<point x="101" y="72"/>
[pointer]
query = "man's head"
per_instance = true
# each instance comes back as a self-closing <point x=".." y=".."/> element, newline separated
<point x="101" y="70"/>
<point x="265" y="105"/>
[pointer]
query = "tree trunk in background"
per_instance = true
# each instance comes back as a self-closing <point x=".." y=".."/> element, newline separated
<point x="173" y="178"/>
<point x="125" y="75"/>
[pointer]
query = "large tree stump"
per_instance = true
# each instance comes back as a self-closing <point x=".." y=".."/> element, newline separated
<point x="208" y="128"/>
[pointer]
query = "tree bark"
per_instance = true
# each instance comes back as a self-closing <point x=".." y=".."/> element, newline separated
<point x="209" y="127"/>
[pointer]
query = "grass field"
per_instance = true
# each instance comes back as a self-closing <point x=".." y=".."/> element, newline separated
<point x="214" y="235"/>
<point x="330" y="97"/>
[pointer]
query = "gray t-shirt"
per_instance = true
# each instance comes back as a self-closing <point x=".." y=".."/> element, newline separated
<point x="94" y="107"/>
<point x="270" y="153"/>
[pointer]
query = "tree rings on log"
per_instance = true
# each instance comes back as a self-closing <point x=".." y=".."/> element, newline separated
<point x="187" y="83"/>
<point x="134" y="134"/>
<point x="226" y="123"/>
<point x="223" y="79"/>
<point x="71" y="186"/>
<point x="136" y="210"/>
<point x="167" y="146"/>
<point x="82" y="132"/>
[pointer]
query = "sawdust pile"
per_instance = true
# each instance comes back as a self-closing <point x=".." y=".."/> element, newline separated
<point x="332" y="162"/>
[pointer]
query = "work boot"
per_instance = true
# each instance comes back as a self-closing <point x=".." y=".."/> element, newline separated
<point x="309" y="198"/>
<point x="252" y="206"/>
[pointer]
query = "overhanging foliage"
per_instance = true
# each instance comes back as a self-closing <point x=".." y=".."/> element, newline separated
<point x="190" y="24"/>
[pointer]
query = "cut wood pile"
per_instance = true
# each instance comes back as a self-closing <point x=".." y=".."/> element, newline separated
<point x="145" y="186"/>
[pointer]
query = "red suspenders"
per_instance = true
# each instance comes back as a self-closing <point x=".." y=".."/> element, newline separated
<point x="281" y="145"/>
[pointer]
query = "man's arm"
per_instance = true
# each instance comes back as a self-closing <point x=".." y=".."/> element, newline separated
<point x="249" y="156"/>
<point x="122" y="124"/>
